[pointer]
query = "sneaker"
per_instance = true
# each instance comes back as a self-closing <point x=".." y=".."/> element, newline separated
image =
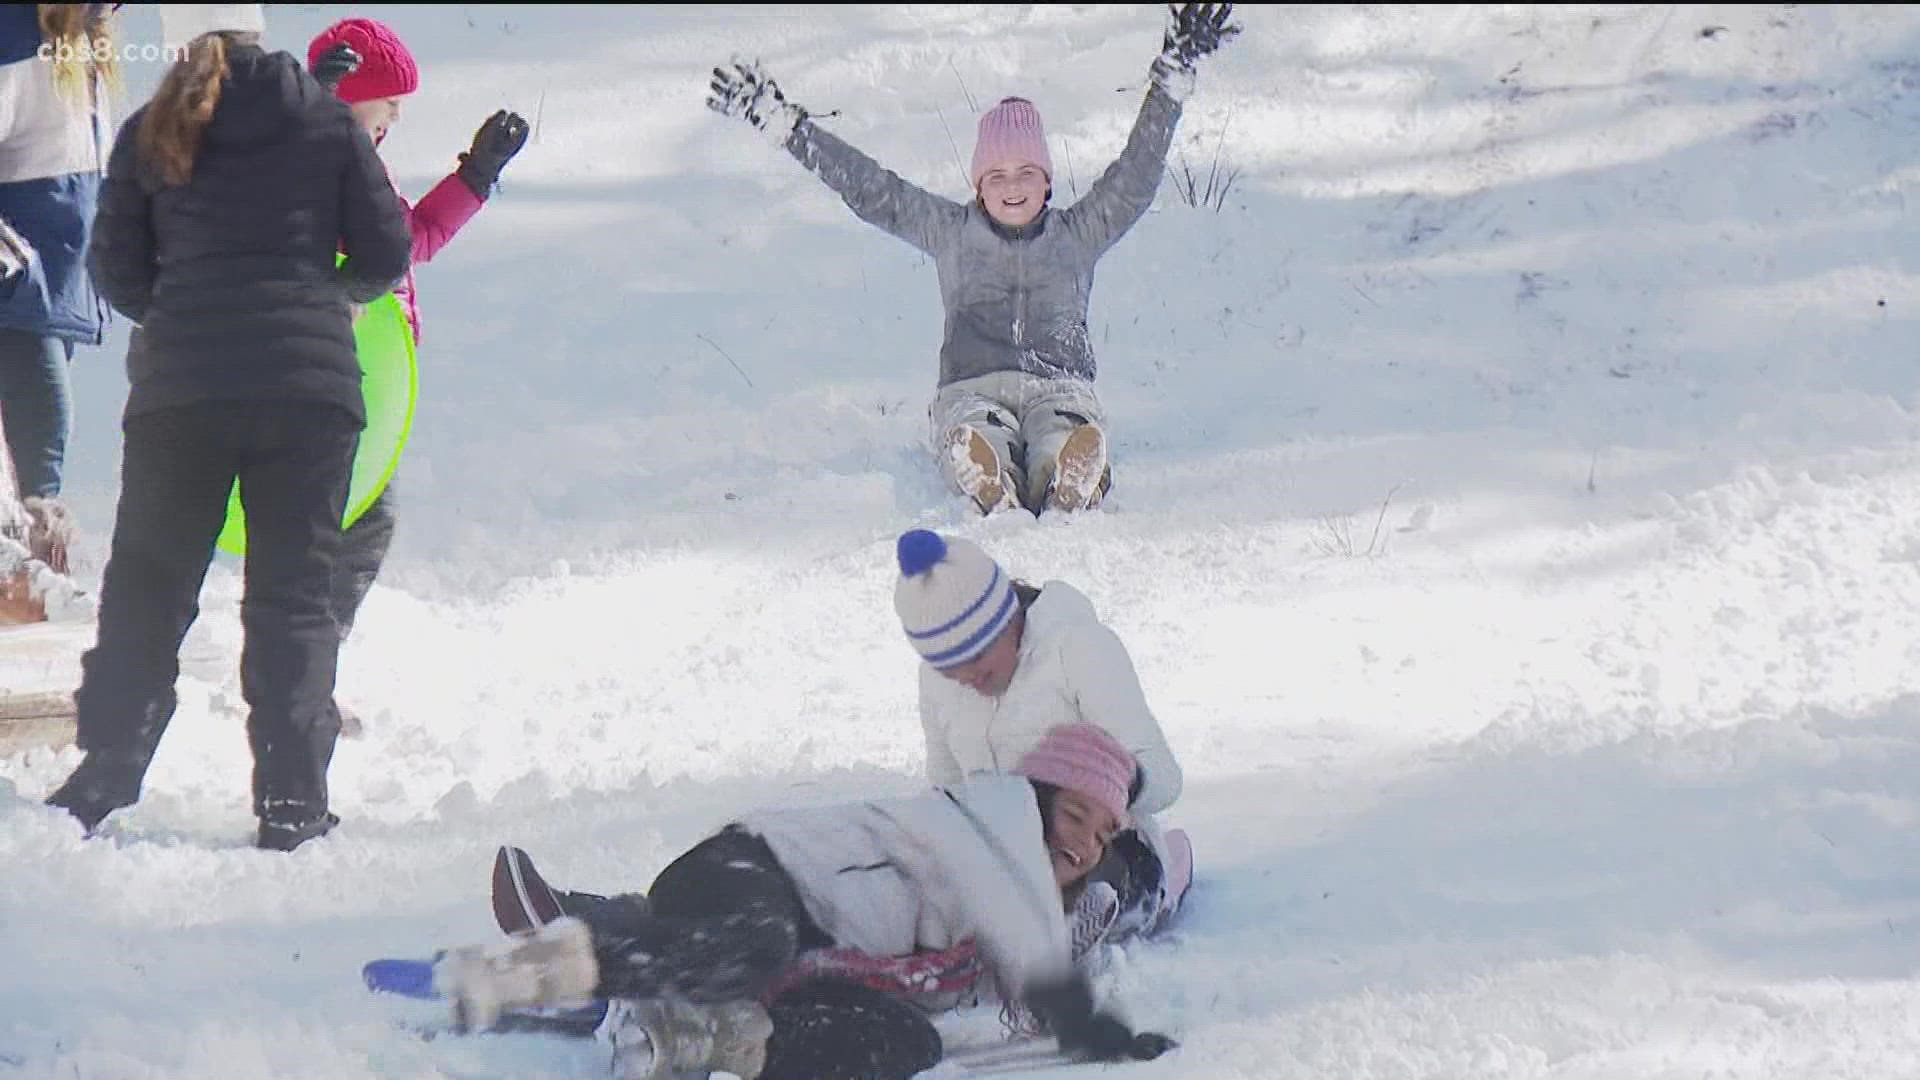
<point x="1080" y="473"/>
<point x="671" y="1038"/>
<point x="287" y="835"/>
<point x="1092" y="916"/>
<point x="552" y="967"/>
<point x="980" y="474"/>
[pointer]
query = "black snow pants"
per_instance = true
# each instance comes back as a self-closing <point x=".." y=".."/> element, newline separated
<point x="363" y="550"/>
<point x="292" y="460"/>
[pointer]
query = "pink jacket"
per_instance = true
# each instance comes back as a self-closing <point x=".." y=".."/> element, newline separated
<point x="441" y="214"/>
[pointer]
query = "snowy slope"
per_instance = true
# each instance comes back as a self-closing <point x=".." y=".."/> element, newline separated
<point x="1517" y="478"/>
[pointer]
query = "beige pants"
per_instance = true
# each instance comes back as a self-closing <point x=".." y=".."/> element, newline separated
<point x="1025" y="417"/>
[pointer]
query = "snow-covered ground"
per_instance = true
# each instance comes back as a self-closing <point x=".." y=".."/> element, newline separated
<point x="1516" y="523"/>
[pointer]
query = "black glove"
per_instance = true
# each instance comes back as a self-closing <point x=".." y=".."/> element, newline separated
<point x="1197" y="30"/>
<point x="1151" y="1044"/>
<point x="1067" y="1011"/>
<point x="745" y="92"/>
<point x="494" y="145"/>
<point x="334" y="65"/>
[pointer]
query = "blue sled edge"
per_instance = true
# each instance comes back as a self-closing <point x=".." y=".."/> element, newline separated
<point x="408" y="978"/>
<point x="414" y="979"/>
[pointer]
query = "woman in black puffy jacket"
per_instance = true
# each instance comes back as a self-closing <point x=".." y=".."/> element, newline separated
<point x="226" y="200"/>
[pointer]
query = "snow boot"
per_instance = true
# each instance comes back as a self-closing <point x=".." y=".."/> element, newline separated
<point x="553" y="967"/>
<point x="101" y="784"/>
<point x="52" y="534"/>
<point x="1080" y="472"/>
<point x="980" y="474"/>
<point x="284" y="835"/>
<point x="669" y="1038"/>
<point x="523" y="901"/>
<point x="1179" y="872"/>
<point x="19" y="602"/>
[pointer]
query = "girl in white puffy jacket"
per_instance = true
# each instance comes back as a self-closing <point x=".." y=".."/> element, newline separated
<point x="700" y="968"/>
<point x="1004" y="663"/>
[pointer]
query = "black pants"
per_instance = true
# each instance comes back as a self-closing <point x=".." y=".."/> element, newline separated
<point x="720" y="924"/>
<point x="292" y="460"/>
<point x="362" y="552"/>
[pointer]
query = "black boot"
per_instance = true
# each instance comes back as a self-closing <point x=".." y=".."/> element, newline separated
<point x="287" y="835"/>
<point x="523" y="901"/>
<point x="101" y="784"/>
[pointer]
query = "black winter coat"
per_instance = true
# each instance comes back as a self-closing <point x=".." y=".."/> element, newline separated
<point x="232" y="275"/>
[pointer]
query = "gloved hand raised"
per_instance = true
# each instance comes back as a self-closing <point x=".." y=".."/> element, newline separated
<point x="745" y="91"/>
<point x="1067" y="1010"/>
<point x="1197" y="30"/>
<point x="334" y="65"/>
<point x="501" y="137"/>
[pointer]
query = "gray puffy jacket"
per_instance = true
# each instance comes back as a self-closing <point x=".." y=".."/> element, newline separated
<point x="1016" y="299"/>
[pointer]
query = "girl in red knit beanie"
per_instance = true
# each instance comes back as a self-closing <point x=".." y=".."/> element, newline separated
<point x="367" y="65"/>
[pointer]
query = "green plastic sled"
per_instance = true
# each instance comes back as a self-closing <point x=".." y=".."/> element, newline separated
<point x="390" y="381"/>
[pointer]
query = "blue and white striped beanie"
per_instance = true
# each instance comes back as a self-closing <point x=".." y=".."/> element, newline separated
<point x="952" y="598"/>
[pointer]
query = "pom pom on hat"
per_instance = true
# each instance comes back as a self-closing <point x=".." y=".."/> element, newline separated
<point x="919" y="550"/>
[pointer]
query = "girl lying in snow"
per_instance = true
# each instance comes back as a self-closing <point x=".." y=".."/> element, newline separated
<point x="706" y="971"/>
<point x="1015" y="421"/>
<point x="1003" y="663"/>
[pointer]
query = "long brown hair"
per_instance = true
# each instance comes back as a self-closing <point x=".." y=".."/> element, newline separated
<point x="82" y="49"/>
<point x="170" y="132"/>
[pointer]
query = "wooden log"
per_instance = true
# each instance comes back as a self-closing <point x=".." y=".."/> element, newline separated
<point x="36" y="706"/>
<point x="45" y="733"/>
<point x="36" y="721"/>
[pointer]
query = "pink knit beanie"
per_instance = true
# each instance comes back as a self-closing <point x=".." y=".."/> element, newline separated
<point x="1010" y="134"/>
<point x="386" y="67"/>
<point x="1083" y="758"/>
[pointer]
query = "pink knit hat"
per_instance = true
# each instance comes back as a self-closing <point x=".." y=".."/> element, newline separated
<point x="1083" y="758"/>
<point x="1010" y="134"/>
<point x="386" y="67"/>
